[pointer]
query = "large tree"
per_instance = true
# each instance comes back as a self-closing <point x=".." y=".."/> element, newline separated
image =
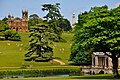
<point x="53" y="17"/>
<point x="45" y="31"/>
<point x="34" y="17"/>
<point x="98" y="31"/>
<point x="40" y="42"/>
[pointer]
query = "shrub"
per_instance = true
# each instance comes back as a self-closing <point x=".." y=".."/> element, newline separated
<point x="15" y="36"/>
<point x="40" y="73"/>
<point x="40" y="59"/>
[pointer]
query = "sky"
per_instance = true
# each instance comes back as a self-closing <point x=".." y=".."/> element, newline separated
<point x="68" y="7"/>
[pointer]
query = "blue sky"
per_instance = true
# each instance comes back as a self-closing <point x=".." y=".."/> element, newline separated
<point x="15" y="7"/>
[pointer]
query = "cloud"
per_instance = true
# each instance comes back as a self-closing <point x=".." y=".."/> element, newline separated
<point x="117" y="4"/>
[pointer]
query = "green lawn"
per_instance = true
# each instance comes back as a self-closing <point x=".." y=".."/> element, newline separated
<point x="12" y="52"/>
<point x="62" y="50"/>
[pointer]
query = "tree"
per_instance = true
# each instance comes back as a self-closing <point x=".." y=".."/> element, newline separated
<point x="34" y="17"/>
<point x="33" y="20"/>
<point x="31" y="23"/>
<point x="7" y="33"/>
<point x="4" y="26"/>
<point x="40" y="42"/>
<point x="53" y="17"/>
<point x="66" y="25"/>
<point x="5" y="20"/>
<point x="98" y="31"/>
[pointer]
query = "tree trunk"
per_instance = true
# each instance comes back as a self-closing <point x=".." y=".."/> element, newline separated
<point x="115" y="66"/>
<point x="6" y="37"/>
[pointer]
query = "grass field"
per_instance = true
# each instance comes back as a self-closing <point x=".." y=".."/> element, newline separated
<point x="12" y="52"/>
<point x="62" y="50"/>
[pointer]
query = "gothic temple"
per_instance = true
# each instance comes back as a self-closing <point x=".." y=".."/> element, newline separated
<point x="18" y="24"/>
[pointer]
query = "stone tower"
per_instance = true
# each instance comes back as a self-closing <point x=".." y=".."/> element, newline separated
<point x="73" y="20"/>
<point x="25" y="19"/>
<point x="25" y="14"/>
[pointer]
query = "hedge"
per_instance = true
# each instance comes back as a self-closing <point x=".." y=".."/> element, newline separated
<point x="39" y="73"/>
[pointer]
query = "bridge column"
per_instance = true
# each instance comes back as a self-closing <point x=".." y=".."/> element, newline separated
<point x="105" y="62"/>
<point x="93" y="61"/>
<point x="96" y="61"/>
<point x="118" y="62"/>
<point x="110" y="62"/>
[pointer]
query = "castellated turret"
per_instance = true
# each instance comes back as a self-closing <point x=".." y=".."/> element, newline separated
<point x="25" y="14"/>
<point x="18" y="24"/>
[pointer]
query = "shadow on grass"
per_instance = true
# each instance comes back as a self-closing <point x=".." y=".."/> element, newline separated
<point x="57" y="58"/>
<point x="101" y="76"/>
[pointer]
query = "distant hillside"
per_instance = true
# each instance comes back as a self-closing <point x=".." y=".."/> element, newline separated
<point x="12" y="52"/>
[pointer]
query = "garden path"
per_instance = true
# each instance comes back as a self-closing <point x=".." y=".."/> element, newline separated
<point x="61" y="63"/>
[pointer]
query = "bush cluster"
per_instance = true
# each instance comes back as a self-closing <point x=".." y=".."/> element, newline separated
<point x="39" y="73"/>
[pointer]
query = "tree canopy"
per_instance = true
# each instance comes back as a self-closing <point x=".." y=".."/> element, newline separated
<point x="98" y="31"/>
<point x="40" y="41"/>
<point x="6" y="32"/>
<point x="55" y="19"/>
<point x="34" y="17"/>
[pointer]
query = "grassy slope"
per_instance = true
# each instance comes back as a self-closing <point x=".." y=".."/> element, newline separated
<point x="12" y="56"/>
<point x="63" y="55"/>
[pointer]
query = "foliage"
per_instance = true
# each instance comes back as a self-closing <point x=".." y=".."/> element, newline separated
<point x="82" y="58"/>
<point x="40" y="41"/>
<point x="4" y="26"/>
<point x="15" y="36"/>
<point x="66" y="25"/>
<point x="41" y="59"/>
<point x="98" y="31"/>
<point x="5" y="20"/>
<point x="39" y="72"/>
<point x="7" y="33"/>
<point x="33" y="20"/>
<point x="44" y="32"/>
<point x="34" y="17"/>
<point x="53" y="17"/>
<point x="31" y="23"/>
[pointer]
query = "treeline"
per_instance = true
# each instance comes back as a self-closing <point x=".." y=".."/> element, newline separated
<point x="6" y="33"/>
<point x="97" y="30"/>
<point x="34" y="19"/>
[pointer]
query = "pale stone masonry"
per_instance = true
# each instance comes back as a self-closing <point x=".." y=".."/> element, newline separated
<point x="101" y="63"/>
